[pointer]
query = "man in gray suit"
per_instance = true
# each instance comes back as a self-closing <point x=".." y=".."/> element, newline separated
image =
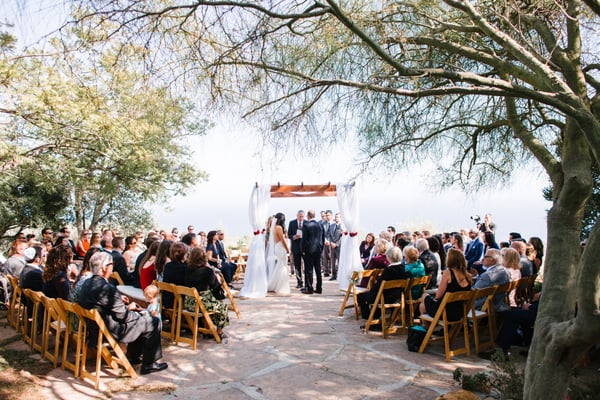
<point x="139" y="331"/>
<point x="335" y="239"/>
<point x="495" y="274"/>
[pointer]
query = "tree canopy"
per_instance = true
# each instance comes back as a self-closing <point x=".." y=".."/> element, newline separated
<point x="87" y="129"/>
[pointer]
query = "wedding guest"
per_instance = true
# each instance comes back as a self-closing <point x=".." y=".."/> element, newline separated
<point x="454" y="279"/>
<point x="56" y="281"/>
<point x="201" y="276"/>
<point x="365" y="248"/>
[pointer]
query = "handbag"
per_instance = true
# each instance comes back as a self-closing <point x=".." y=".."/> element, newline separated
<point x="416" y="334"/>
<point x="218" y="292"/>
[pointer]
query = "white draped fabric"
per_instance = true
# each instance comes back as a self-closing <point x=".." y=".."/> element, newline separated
<point x="255" y="277"/>
<point x="349" y="253"/>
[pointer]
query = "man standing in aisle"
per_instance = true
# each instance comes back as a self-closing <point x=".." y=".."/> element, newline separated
<point x="295" y="235"/>
<point x="335" y="239"/>
<point x="313" y="239"/>
<point x="326" y="258"/>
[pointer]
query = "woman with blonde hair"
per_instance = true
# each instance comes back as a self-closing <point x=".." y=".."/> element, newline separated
<point x="512" y="263"/>
<point x="379" y="260"/>
<point x="455" y="278"/>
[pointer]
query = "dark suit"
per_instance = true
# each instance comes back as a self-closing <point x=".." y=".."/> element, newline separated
<point x="140" y="332"/>
<point x="120" y="266"/>
<point x="313" y="239"/>
<point x="296" y="250"/>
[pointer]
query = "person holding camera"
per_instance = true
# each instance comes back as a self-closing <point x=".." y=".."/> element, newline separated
<point x="487" y="225"/>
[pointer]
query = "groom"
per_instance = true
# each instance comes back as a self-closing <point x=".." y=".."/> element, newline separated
<point x="313" y="239"/>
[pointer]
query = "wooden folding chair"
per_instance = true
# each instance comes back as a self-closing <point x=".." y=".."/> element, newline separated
<point x="110" y="351"/>
<point x="75" y="331"/>
<point x="115" y="275"/>
<point x="354" y="290"/>
<point x="412" y="303"/>
<point x="524" y="290"/>
<point x="192" y="318"/>
<point x="232" y="306"/>
<point x="486" y="313"/>
<point x="14" y="307"/>
<point x="33" y="323"/>
<point x="172" y="311"/>
<point x="441" y="318"/>
<point x="55" y="324"/>
<point x="396" y="309"/>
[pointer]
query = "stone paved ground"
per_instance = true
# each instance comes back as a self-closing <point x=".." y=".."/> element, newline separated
<point x="292" y="347"/>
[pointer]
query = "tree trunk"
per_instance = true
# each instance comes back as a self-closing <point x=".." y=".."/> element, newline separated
<point x="561" y="335"/>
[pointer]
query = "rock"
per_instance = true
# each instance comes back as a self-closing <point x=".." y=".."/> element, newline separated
<point x="459" y="395"/>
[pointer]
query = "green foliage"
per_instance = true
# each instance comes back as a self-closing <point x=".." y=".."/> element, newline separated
<point x="505" y="378"/>
<point x="91" y="123"/>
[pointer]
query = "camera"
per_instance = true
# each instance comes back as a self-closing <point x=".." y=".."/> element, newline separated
<point x="476" y="218"/>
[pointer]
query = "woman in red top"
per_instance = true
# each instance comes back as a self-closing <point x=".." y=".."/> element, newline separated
<point x="147" y="270"/>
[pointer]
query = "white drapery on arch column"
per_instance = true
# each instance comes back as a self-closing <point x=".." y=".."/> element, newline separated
<point x="255" y="277"/>
<point x="349" y="253"/>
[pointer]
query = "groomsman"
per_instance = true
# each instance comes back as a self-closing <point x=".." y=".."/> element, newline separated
<point x="335" y="239"/>
<point x="295" y="235"/>
<point x="326" y="257"/>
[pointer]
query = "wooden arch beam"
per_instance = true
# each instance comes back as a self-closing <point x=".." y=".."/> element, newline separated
<point x="302" y="190"/>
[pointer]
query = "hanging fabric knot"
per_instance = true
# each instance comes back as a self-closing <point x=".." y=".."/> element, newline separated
<point x="352" y="234"/>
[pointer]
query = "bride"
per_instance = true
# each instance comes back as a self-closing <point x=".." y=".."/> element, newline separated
<point x="277" y="257"/>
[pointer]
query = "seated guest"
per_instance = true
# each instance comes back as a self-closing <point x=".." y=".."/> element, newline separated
<point x="454" y="279"/>
<point x="365" y="248"/>
<point x="120" y="265"/>
<point x="474" y="251"/>
<point x="395" y="270"/>
<point x="512" y="263"/>
<point x="175" y="270"/>
<point x="495" y="274"/>
<point x="31" y="275"/>
<point x="517" y="327"/>
<point x="163" y="256"/>
<point x="56" y="281"/>
<point x="429" y="261"/>
<point x="83" y="243"/>
<point x="151" y="238"/>
<point x="201" y="276"/>
<point x="217" y="257"/>
<point x="139" y="331"/>
<point x="378" y="260"/>
<point x="146" y="267"/>
<point x="131" y="253"/>
<point x="526" y="264"/>
<point x="414" y="268"/>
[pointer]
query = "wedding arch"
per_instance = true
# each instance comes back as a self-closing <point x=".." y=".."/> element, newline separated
<point x="258" y="213"/>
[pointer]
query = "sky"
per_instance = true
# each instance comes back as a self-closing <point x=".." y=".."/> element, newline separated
<point x="235" y="159"/>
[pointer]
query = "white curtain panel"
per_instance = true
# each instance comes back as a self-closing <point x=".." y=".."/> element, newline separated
<point x="349" y="254"/>
<point x="255" y="278"/>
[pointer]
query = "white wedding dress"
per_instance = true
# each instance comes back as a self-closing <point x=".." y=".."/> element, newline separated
<point x="279" y="281"/>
